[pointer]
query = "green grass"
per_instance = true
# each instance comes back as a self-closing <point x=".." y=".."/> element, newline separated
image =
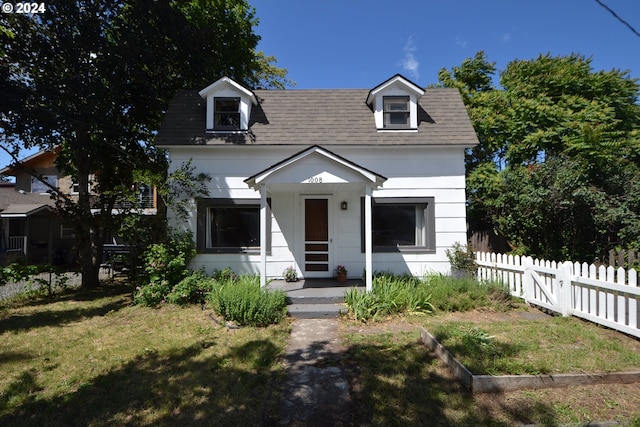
<point x="556" y="345"/>
<point x="94" y="358"/>
<point x="397" y="382"/>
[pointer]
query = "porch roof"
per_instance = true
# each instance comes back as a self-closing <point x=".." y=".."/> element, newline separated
<point x="23" y="210"/>
<point x="315" y="165"/>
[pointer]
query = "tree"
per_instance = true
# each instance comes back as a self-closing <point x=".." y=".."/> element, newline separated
<point x="95" y="77"/>
<point x="558" y="164"/>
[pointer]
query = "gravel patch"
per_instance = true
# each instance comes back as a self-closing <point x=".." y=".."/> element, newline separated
<point x="74" y="280"/>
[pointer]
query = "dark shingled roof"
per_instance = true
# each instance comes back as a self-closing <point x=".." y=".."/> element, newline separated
<point x="322" y="117"/>
<point x="9" y="196"/>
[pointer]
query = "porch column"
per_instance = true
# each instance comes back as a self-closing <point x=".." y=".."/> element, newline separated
<point x="27" y="221"/>
<point x="263" y="235"/>
<point x="50" y="244"/>
<point x="368" y="263"/>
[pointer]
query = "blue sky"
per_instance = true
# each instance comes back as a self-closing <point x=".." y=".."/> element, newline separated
<point x="361" y="43"/>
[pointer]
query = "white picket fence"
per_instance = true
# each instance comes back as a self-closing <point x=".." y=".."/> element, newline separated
<point x="601" y="295"/>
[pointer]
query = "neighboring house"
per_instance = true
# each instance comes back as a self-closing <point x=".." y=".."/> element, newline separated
<point x="29" y="227"/>
<point x="370" y="179"/>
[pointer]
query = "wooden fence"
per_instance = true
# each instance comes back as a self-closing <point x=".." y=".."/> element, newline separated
<point x="600" y="294"/>
<point x="624" y="259"/>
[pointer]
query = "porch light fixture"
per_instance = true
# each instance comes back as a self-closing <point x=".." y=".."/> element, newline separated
<point x="343" y="206"/>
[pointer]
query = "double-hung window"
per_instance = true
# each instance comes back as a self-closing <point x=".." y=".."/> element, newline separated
<point x="402" y="224"/>
<point x="396" y="112"/>
<point x="229" y="226"/>
<point x="226" y="113"/>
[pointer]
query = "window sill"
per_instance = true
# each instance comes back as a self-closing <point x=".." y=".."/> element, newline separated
<point x="227" y="131"/>
<point x="396" y="130"/>
<point x="404" y="249"/>
<point x="247" y="251"/>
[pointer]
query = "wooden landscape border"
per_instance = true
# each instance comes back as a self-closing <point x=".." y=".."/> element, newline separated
<point x="501" y="383"/>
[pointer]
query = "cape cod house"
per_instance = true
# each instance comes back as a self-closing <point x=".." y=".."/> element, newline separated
<point x="370" y="179"/>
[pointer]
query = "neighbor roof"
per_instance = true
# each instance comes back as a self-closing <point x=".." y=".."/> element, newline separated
<point x="320" y="117"/>
<point x="14" y="202"/>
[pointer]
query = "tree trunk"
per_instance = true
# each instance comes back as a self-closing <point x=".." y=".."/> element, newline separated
<point x="90" y="236"/>
<point x="90" y="266"/>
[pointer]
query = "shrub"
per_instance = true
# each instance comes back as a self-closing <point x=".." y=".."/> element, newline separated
<point x="169" y="261"/>
<point x="246" y="303"/>
<point x="225" y="275"/>
<point x="463" y="260"/>
<point x="363" y="306"/>
<point x="166" y="265"/>
<point x="192" y="289"/>
<point x="464" y="294"/>
<point x="391" y="294"/>
<point x="152" y="294"/>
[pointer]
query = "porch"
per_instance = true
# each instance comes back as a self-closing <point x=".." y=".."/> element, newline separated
<point x="315" y="176"/>
<point x="316" y="298"/>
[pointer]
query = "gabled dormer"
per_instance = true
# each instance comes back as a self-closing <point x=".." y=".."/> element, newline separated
<point x="395" y="104"/>
<point x="228" y="106"/>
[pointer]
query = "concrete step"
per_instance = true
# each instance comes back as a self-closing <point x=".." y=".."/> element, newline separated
<point x="316" y="311"/>
<point x="314" y="299"/>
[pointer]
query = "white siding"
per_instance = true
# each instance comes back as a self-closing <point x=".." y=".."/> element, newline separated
<point x="436" y="172"/>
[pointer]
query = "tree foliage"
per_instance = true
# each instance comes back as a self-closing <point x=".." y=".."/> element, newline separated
<point x="95" y="77"/>
<point x="557" y="171"/>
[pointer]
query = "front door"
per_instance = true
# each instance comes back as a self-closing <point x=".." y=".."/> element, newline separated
<point x="317" y="240"/>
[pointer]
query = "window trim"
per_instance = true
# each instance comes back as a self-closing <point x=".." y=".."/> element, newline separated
<point x="429" y="245"/>
<point x="387" y="113"/>
<point x="216" y="113"/>
<point x="203" y="205"/>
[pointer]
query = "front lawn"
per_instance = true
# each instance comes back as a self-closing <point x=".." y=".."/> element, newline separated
<point x="395" y="380"/>
<point x="94" y="358"/>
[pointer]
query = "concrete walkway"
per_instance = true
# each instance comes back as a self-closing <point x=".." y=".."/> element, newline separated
<point x="316" y="391"/>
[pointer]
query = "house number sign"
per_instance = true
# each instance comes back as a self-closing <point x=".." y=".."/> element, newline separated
<point x="314" y="180"/>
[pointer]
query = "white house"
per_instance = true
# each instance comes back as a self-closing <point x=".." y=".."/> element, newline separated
<point x="370" y="179"/>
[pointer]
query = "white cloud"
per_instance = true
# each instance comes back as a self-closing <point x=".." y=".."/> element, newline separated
<point x="409" y="63"/>
<point x="460" y="42"/>
<point x="506" y="37"/>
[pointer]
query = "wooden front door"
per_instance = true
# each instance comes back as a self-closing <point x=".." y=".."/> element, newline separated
<point x="316" y="237"/>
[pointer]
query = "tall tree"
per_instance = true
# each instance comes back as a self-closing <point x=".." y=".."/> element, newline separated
<point x="95" y="77"/>
<point x="558" y="164"/>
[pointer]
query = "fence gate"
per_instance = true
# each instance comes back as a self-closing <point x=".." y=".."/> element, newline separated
<point x="544" y="286"/>
<point x="603" y="295"/>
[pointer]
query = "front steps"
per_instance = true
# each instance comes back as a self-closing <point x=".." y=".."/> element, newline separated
<point x="316" y="311"/>
<point x="315" y="298"/>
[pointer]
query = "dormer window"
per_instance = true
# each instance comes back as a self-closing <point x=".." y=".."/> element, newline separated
<point x="227" y="113"/>
<point x="395" y="105"/>
<point x="396" y="112"/>
<point x="228" y="106"/>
